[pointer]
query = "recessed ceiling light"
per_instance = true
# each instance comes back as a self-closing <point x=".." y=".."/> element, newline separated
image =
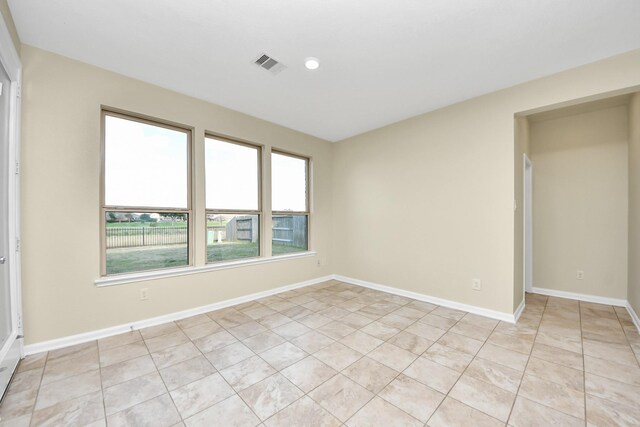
<point x="311" y="63"/>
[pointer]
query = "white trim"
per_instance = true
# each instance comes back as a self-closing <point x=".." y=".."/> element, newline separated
<point x="580" y="297"/>
<point x="519" y="311"/>
<point x="427" y="298"/>
<point x="634" y="316"/>
<point x="174" y="272"/>
<point x="115" y="330"/>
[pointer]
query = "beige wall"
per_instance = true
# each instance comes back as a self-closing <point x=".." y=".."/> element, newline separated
<point x="634" y="203"/>
<point x="60" y="200"/>
<point x="8" y="19"/>
<point x="427" y="204"/>
<point x="580" y="193"/>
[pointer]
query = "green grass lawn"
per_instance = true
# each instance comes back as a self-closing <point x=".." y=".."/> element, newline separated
<point x="126" y="260"/>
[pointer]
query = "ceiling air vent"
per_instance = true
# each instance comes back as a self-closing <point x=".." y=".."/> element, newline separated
<point x="269" y="64"/>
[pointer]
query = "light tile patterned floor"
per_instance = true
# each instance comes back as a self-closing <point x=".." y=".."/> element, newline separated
<point x="336" y="354"/>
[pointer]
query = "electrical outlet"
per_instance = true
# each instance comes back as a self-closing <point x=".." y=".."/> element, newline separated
<point x="580" y="275"/>
<point x="144" y="294"/>
<point x="476" y="284"/>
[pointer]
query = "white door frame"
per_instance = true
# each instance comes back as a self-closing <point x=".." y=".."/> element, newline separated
<point x="527" y="229"/>
<point x="10" y="61"/>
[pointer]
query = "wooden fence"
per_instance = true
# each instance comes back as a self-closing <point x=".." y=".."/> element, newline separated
<point x="290" y="230"/>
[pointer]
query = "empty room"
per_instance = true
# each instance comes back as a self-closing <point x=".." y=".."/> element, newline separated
<point x="319" y="213"/>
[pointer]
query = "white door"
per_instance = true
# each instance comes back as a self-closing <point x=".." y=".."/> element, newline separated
<point x="10" y="344"/>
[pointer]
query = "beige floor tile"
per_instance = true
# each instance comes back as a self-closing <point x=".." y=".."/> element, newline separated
<point x="230" y="355"/>
<point x="189" y="322"/>
<point x="118" y="340"/>
<point x="558" y="355"/>
<point x="202" y="330"/>
<point x="33" y="361"/>
<point x="182" y="373"/>
<point x="201" y="394"/>
<point x="370" y="374"/>
<point x="527" y="413"/>
<point x="396" y="321"/>
<point x="602" y="412"/>
<point x="246" y="373"/>
<point x="214" y="341"/>
<point x="308" y="373"/>
<point x="172" y="355"/>
<point x="338" y="356"/>
<point x="315" y="320"/>
<point x="79" y="411"/>
<point x="413" y="397"/>
<point x="479" y="321"/>
<point x="18" y="404"/>
<point x="165" y="341"/>
<point x="336" y="330"/>
<point x="73" y="351"/>
<point x="231" y="412"/>
<point x="380" y="330"/>
<point x="452" y="413"/>
<point x="68" y="388"/>
<point x="132" y="392"/>
<point x="23" y="421"/>
<point x="554" y="395"/>
<point x="159" y="330"/>
<point x="409" y="312"/>
<point x="229" y="318"/>
<point x="270" y="395"/>
<point x="555" y="340"/>
<point x="615" y="371"/>
<point x="612" y="390"/>
<point x="521" y="344"/>
<point x="260" y="312"/>
<point x="283" y="355"/>
<point x="471" y="331"/>
<point x="426" y="331"/>
<point x="484" y="397"/>
<point x="355" y="320"/>
<point x="432" y="374"/>
<point x="449" y="357"/>
<point x="127" y="370"/>
<point x="410" y="342"/>
<point x="439" y="322"/>
<point x="381" y="412"/>
<point x="263" y="341"/>
<point x="424" y="307"/>
<point x="621" y="354"/>
<point x="157" y="412"/>
<point x="341" y="396"/>
<point x="297" y="312"/>
<point x="247" y="330"/>
<point x="461" y="343"/>
<point x="493" y="373"/>
<point x="122" y="353"/>
<point x="558" y="374"/>
<point x="394" y="357"/>
<point x="274" y="320"/>
<point x="449" y="313"/>
<point x="28" y="380"/>
<point x="291" y="330"/>
<point x="304" y="413"/>
<point x="312" y="342"/>
<point x="361" y="342"/>
<point x="334" y="313"/>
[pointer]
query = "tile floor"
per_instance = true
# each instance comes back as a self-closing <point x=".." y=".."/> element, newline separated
<point x="336" y="354"/>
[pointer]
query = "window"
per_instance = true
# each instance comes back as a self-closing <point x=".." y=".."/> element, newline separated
<point x="146" y="197"/>
<point x="289" y="203"/>
<point x="232" y="199"/>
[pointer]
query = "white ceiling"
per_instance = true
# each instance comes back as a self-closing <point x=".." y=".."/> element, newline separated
<point x="381" y="60"/>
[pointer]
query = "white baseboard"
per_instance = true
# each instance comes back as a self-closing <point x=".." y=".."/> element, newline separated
<point x="506" y="317"/>
<point x="581" y="297"/>
<point x="115" y="330"/>
<point x="634" y="316"/>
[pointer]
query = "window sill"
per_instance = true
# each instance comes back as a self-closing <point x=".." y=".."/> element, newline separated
<point x="183" y="271"/>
